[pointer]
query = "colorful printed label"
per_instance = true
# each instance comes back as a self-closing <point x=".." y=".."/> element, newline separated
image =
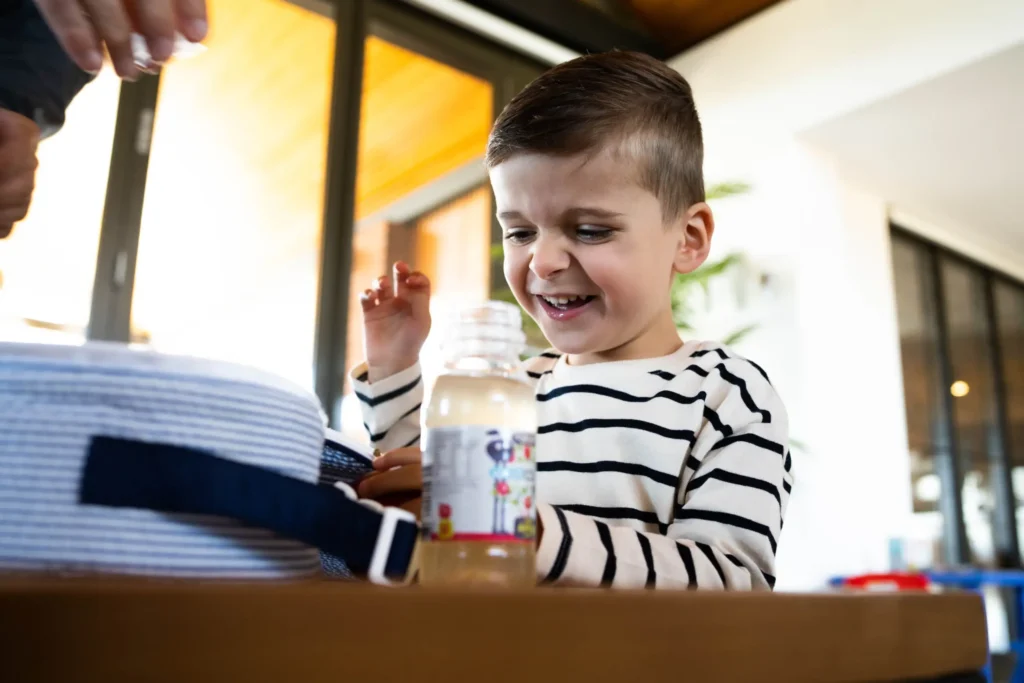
<point x="478" y="484"/>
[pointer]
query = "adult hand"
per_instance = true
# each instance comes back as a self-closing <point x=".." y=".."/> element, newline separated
<point x="83" y="27"/>
<point x="19" y="138"/>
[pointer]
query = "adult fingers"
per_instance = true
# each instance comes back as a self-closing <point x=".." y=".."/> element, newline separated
<point x="16" y="192"/>
<point x="75" y="34"/>
<point x="19" y="138"/>
<point x="156" y="21"/>
<point x="192" y="19"/>
<point x="113" y="26"/>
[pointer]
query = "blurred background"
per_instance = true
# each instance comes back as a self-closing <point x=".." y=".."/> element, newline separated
<point x="864" y="160"/>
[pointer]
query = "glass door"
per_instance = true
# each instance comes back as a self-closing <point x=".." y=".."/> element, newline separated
<point x="262" y="183"/>
<point x="1009" y="305"/>
<point x="228" y="258"/>
<point x="47" y="265"/>
<point x="962" y="340"/>
<point x="422" y="193"/>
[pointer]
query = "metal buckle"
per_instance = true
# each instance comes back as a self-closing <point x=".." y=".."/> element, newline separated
<point x="382" y="548"/>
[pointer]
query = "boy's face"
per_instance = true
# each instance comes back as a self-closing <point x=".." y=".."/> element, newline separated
<point x="588" y="256"/>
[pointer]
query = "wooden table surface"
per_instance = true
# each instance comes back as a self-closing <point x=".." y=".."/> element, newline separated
<point x="135" y="630"/>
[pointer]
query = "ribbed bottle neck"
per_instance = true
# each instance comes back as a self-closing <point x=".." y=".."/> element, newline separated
<point x="484" y="338"/>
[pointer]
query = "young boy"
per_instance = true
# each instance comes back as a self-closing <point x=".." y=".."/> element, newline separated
<point x="661" y="463"/>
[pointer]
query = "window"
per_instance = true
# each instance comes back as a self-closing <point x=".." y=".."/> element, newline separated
<point x="254" y="192"/>
<point x="47" y="266"/>
<point x="422" y="140"/>
<point x="228" y="260"/>
<point x="1009" y="301"/>
<point x="961" y="332"/>
<point x="970" y="358"/>
<point x="918" y="349"/>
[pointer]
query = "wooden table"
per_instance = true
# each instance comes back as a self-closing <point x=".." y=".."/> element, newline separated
<point x="119" y="630"/>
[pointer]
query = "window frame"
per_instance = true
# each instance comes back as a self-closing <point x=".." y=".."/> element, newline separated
<point x="948" y="463"/>
<point x="355" y="20"/>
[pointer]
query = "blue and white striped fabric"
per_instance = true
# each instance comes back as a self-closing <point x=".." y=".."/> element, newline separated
<point x="54" y="399"/>
<point x="344" y="461"/>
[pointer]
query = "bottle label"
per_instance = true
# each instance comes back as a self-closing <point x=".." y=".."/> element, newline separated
<point x="478" y="484"/>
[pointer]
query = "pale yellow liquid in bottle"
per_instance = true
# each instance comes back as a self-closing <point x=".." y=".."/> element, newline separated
<point x="488" y="401"/>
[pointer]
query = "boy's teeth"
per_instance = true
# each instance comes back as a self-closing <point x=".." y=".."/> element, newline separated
<point x="562" y="300"/>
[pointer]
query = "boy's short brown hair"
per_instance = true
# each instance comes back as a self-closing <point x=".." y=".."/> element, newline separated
<point x="614" y="98"/>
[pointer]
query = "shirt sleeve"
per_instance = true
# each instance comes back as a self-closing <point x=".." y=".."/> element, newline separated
<point x="390" y="406"/>
<point x="38" y="79"/>
<point x="728" y="517"/>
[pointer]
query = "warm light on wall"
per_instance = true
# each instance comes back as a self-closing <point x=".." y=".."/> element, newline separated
<point x="960" y="388"/>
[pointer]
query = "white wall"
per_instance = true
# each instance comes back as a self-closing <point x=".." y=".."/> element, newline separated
<point x="803" y="62"/>
<point x="959" y="238"/>
<point x="828" y="339"/>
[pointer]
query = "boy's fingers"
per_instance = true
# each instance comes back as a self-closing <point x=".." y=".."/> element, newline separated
<point x="409" y="502"/>
<point x="382" y="288"/>
<point x="414" y="506"/>
<point x="418" y="280"/>
<point x="401" y="274"/>
<point x="368" y="300"/>
<point x="393" y="481"/>
<point x="398" y="458"/>
<point x="414" y="284"/>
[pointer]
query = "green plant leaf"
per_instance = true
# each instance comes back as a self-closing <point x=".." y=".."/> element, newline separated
<point x="727" y="189"/>
<point x="685" y="283"/>
<point x="534" y="336"/>
<point x="738" y="336"/>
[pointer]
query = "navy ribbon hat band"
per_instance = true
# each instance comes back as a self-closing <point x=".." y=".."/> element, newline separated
<point x="130" y="473"/>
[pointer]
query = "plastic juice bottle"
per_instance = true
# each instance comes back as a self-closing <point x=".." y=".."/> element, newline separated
<point x="479" y="460"/>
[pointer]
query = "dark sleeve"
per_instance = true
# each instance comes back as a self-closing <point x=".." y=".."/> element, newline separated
<point x="37" y="78"/>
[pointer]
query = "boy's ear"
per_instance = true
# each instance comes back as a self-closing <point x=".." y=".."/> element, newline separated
<point x="698" y="225"/>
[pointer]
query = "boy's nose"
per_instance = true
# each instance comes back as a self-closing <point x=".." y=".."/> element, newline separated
<point x="548" y="258"/>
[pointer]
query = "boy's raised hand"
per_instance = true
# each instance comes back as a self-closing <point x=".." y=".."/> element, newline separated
<point x="396" y="320"/>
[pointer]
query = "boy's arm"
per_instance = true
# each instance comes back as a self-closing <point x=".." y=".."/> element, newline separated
<point x="390" y="406"/>
<point x="726" y="523"/>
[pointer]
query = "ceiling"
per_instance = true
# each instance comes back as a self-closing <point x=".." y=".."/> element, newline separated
<point x="950" y="150"/>
<point x="662" y="28"/>
<point x="680" y="24"/>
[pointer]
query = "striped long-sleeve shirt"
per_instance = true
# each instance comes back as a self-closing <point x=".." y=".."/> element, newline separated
<point x="667" y="472"/>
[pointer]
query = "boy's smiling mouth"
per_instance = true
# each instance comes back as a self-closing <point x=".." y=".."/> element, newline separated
<point x="564" y="306"/>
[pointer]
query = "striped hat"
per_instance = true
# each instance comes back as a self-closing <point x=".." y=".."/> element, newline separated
<point x="134" y="462"/>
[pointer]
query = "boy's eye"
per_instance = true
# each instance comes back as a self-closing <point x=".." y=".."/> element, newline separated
<point x="590" y="233"/>
<point x="518" y="236"/>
